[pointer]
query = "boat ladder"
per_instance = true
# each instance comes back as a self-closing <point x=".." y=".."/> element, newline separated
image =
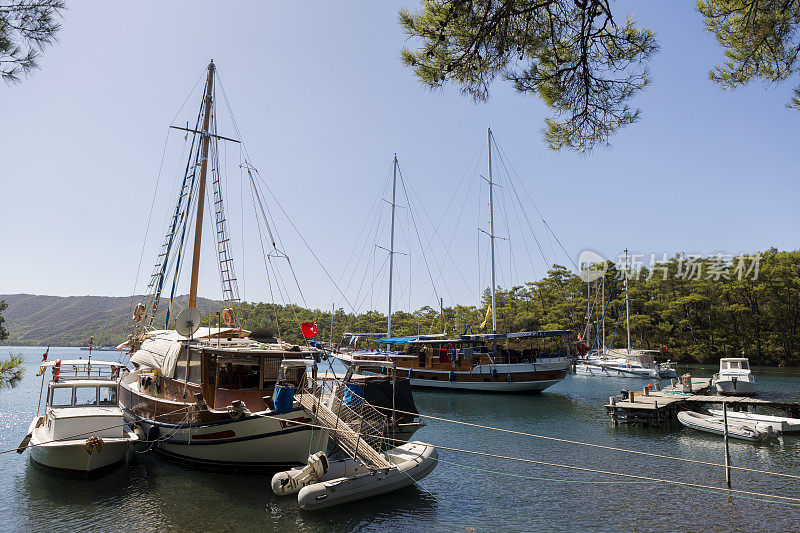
<point x="348" y="438"/>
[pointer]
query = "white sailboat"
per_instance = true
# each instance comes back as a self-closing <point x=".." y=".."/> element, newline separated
<point x="622" y="363"/>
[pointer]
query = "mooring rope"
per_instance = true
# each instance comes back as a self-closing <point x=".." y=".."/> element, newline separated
<point x="593" y="445"/>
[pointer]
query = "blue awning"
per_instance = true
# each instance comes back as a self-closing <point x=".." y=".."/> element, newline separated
<point x="397" y="340"/>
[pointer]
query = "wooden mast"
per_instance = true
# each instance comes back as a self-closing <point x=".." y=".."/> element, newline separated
<point x="201" y="192"/>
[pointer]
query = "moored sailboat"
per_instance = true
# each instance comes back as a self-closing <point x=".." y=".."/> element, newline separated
<point x="475" y="362"/>
<point x="213" y="395"/>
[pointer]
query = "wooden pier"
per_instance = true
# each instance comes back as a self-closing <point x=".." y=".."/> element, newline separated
<point x="660" y="407"/>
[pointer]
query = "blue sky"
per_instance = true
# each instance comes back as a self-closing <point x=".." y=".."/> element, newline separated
<point x="323" y="103"/>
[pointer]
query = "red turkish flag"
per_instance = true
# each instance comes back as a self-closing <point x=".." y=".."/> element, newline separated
<point x="309" y="329"/>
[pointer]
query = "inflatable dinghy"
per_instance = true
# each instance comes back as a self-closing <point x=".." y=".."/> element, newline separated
<point x="322" y="483"/>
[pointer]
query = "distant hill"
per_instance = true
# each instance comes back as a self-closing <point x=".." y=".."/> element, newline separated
<point x="69" y="321"/>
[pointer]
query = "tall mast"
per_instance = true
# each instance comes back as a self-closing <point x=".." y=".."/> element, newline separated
<point x="604" y="313"/>
<point x="588" y="304"/>
<point x="391" y="245"/>
<point x="441" y="313"/>
<point x="201" y="191"/>
<point x="491" y="224"/>
<point x="627" y="303"/>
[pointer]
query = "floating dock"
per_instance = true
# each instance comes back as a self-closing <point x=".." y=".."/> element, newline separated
<point x="661" y="407"/>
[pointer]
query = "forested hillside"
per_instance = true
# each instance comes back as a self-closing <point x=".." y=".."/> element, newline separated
<point x="69" y="321"/>
<point x="691" y="309"/>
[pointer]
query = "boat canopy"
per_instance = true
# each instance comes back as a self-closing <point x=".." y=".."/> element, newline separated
<point x="520" y="335"/>
<point x="393" y="341"/>
<point x="481" y="337"/>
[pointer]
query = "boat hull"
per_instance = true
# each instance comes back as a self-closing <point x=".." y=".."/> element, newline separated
<point x="779" y="424"/>
<point x="262" y="439"/>
<point x="613" y="372"/>
<point x="738" y="388"/>
<point x="73" y="455"/>
<point x="710" y="424"/>
<point x="516" y="377"/>
<point x="249" y="441"/>
<point x="347" y="481"/>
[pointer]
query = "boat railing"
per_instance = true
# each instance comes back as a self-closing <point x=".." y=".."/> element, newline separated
<point x="72" y="373"/>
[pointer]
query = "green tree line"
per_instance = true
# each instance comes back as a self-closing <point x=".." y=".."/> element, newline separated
<point x="693" y="309"/>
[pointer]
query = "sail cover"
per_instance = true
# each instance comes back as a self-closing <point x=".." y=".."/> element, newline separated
<point x="159" y="351"/>
<point x="160" y="348"/>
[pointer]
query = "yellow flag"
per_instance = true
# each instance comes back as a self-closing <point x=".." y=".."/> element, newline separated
<point x="488" y="314"/>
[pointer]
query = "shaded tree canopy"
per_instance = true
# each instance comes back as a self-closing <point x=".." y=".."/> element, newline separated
<point x="3" y="332"/>
<point x="760" y="39"/>
<point x="583" y="63"/>
<point x="26" y="28"/>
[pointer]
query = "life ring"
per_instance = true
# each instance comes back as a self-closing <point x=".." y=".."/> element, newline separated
<point x="56" y="371"/>
<point x="138" y="312"/>
<point x="228" y="317"/>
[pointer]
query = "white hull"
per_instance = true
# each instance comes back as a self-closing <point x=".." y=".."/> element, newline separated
<point x="348" y="481"/>
<point x="777" y="423"/>
<point x="615" y="372"/>
<point x="740" y="387"/>
<point x="72" y="455"/>
<point x="250" y="441"/>
<point x="714" y="425"/>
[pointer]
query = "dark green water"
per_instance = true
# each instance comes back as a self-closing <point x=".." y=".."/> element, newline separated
<point x="464" y="493"/>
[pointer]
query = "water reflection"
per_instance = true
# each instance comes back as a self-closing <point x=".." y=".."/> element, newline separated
<point x="465" y="492"/>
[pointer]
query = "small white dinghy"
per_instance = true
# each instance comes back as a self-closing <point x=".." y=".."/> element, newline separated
<point x="712" y="424"/>
<point x="82" y="429"/>
<point x="322" y="484"/>
<point x="779" y="424"/>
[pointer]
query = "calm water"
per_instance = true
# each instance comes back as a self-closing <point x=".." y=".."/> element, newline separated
<point x="464" y="493"/>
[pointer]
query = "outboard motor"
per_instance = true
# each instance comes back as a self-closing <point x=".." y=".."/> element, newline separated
<point x="291" y="481"/>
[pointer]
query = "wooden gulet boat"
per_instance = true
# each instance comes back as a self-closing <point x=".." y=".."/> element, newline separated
<point x="205" y="395"/>
<point x="471" y="362"/>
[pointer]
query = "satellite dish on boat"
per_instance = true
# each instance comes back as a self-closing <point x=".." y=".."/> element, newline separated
<point x="188" y="321"/>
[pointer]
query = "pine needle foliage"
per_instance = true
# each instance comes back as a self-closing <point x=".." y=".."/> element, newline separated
<point x="11" y="370"/>
<point x="760" y="39"/>
<point x="574" y="54"/>
<point x="27" y="27"/>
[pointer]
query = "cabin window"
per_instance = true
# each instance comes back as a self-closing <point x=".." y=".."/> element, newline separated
<point x="85" y="396"/>
<point x="240" y="373"/>
<point x="271" y="367"/>
<point x="62" y="396"/>
<point x="108" y="396"/>
<point x="195" y="374"/>
<point x="180" y="367"/>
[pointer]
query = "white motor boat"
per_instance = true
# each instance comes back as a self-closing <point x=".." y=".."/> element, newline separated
<point x="780" y="424"/>
<point x="82" y="428"/>
<point x="734" y="377"/>
<point x="712" y="424"/>
<point x="322" y="484"/>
